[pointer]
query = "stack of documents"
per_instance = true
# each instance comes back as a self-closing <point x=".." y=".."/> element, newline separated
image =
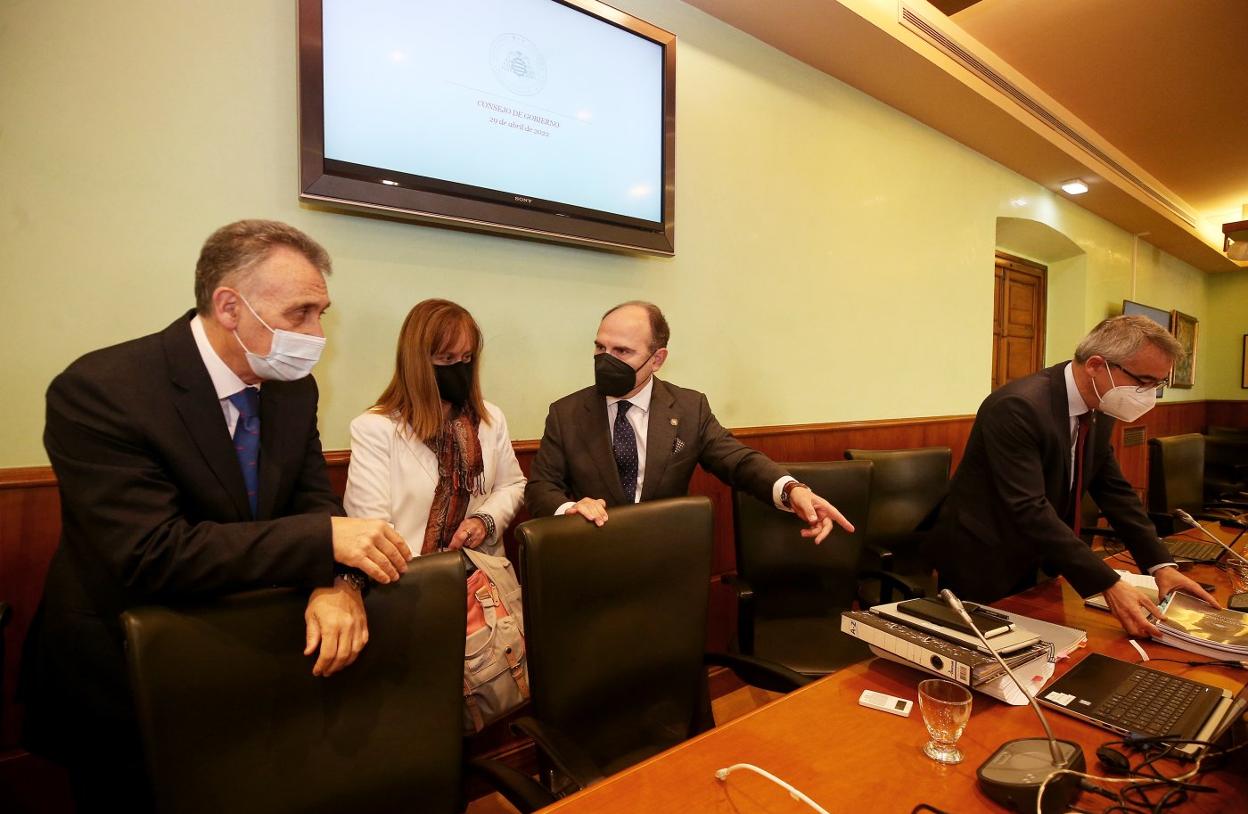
<point x="943" y="652"/>
<point x="1189" y="624"/>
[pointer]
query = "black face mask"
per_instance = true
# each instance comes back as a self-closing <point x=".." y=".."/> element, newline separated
<point x="454" y="382"/>
<point x="614" y="377"/>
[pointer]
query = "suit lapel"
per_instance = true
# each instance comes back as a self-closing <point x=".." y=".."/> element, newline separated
<point x="661" y="429"/>
<point x="598" y="433"/>
<point x="196" y="402"/>
<point x="1060" y="406"/>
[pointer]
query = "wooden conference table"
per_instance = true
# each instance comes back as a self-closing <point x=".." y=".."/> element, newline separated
<point x="852" y="759"/>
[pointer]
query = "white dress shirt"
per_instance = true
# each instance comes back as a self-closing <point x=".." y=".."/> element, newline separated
<point x="1077" y="407"/>
<point x="224" y="380"/>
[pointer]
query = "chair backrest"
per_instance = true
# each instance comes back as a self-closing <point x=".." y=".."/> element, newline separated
<point x="1176" y="473"/>
<point x="789" y="575"/>
<point x="233" y="719"/>
<point x="1223" y="453"/>
<point x="615" y="625"/>
<point x="1229" y="433"/>
<point x="907" y="487"/>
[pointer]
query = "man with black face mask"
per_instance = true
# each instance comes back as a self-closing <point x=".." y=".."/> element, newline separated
<point x="1037" y="445"/>
<point x="632" y="437"/>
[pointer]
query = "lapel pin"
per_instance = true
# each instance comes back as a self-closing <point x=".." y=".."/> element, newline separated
<point x="675" y="422"/>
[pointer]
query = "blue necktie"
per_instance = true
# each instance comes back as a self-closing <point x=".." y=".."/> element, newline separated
<point x="624" y="444"/>
<point x="247" y="440"/>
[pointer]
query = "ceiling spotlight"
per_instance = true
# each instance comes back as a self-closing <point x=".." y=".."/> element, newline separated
<point x="1074" y="187"/>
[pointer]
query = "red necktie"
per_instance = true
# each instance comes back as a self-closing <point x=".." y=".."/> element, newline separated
<point x="1081" y="441"/>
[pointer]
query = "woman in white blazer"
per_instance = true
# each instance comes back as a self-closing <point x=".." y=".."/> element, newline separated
<point x="431" y="456"/>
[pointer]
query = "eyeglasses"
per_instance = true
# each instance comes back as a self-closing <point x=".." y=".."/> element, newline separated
<point x="1146" y="383"/>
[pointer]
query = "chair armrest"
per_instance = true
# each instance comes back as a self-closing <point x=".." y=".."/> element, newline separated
<point x="745" y="611"/>
<point x="522" y="791"/>
<point x="884" y="558"/>
<point x="890" y="582"/>
<point x="757" y="672"/>
<point x="568" y="758"/>
<point x="1229" y="505"/>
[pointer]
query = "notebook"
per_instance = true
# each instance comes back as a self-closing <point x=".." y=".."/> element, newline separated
<point x="1126" y="698"/>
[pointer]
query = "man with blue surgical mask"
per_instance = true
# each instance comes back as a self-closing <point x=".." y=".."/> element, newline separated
<point x="1039" y="444"/>
<point x="189" y="466"/>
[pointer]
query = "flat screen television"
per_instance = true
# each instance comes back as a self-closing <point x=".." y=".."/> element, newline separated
<point x="550" y="119"/>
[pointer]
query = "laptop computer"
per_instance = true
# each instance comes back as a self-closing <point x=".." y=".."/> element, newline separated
<point x="1129" y="698"/>
<point x="1193" y="550"/>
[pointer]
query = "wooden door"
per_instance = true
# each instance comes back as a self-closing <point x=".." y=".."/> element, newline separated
<point x="1018" y="319"/>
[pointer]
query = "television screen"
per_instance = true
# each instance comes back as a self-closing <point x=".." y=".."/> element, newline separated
<point x="537" y="117"/>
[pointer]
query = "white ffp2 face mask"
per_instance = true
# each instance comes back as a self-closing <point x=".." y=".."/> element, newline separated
<point x="291" y="356"/>
<point x="1124" y="402"/>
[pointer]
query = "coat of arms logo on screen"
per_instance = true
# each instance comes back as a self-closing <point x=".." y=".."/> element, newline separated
<point x="518" y="64"/>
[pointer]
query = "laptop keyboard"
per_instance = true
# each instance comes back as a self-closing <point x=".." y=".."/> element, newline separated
<point x="1193" y="550"/>
<point x="1150" y="702"/>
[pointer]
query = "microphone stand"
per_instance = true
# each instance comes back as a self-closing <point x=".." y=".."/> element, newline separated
<point x="1014" y="774"/>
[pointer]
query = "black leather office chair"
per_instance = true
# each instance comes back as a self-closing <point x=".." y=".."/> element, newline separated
<point x="790" y="592"/>
<point x="908" y="487"/>
<point x="1176" y="480"/>
<point x="1226" y="468"/>
<point x="615" y="630"/>
<point x="233" y="719"/>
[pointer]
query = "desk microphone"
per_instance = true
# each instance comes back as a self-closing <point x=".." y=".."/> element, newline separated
<point x="1012" y="775"/>
<point x="1191" y="521"/>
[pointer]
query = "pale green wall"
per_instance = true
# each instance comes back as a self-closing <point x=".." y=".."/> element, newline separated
<point x="1223" y="342"/>
<point x="833" y="256"/>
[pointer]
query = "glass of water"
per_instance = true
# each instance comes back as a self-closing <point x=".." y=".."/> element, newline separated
<point x="1238" y="571"/>
<point x="946" y="708"/>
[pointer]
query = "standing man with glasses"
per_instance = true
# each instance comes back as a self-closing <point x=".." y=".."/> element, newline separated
<point x="632" y="437"/>
<point x="1037" y="445"/>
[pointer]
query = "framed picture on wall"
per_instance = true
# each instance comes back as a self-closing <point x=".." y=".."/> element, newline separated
<point x="1243" y="382"/>
<point x="1184" y="329"/>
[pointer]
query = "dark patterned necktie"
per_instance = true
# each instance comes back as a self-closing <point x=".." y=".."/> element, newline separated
<point x="1081" y="443"/>
<point x="247" y="440"/>
<point x="624" y="444"/>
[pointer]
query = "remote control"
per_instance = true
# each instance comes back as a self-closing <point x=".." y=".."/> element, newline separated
<point x="885" y="703"/>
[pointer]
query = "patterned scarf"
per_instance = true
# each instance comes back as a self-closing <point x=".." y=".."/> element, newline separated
<point x="461" y="473"/>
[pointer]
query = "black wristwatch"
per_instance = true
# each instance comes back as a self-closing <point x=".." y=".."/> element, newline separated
<point x="356" y="580"/>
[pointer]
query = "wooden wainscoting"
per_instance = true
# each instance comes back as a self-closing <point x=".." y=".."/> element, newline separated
<point x="30" y="506"/>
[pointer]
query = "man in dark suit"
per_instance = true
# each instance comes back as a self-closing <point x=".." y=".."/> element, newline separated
<point x="1013" y="505"/>
<point x="189" y="466"/>
<point x="632" y="437"/>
